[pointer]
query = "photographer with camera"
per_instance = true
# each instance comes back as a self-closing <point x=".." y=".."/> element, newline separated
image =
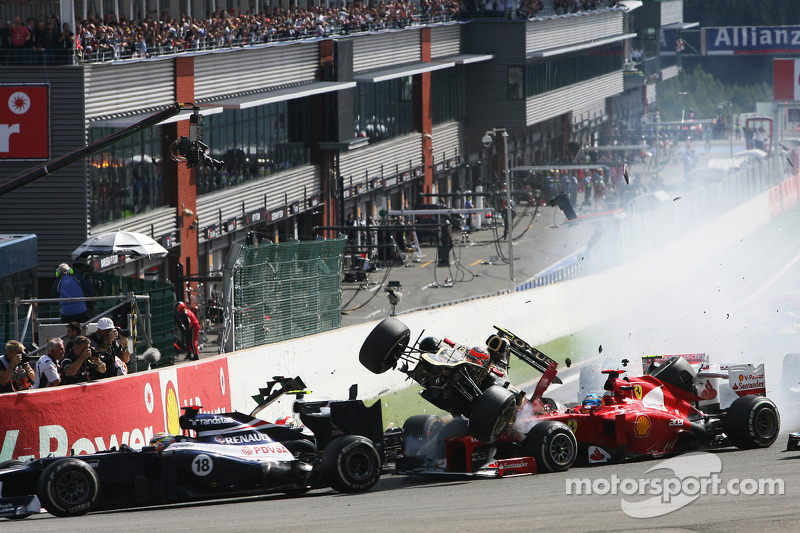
<point x="111" y="344"/>
<point x="82" y="364"/>
<point x="15" y="372"/>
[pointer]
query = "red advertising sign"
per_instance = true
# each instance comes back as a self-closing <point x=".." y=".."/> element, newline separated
<point x="785" y="83"/>
<point x="98" y="416"/>
<point x="24" y="123"/>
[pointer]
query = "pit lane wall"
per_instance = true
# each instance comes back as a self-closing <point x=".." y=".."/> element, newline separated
<point x="129" y="410"/>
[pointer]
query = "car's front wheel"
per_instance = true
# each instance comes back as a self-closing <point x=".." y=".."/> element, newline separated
<point x="68" y="487"/>
<point x="418" y="430"/>
<point x="384" y="345"/>
<point x="553" y="446"/>
<point x="492" y="413"/>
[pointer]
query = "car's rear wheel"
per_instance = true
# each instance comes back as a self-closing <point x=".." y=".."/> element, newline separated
<point x="68" y="487"/>
<point x="418" y="431"/>
<point x="553" y="446"/>
<point x="752" y="422"/>
<point x="384" y="345"/>
<point x="492" y="413"/>
<point x="351" y="463"/>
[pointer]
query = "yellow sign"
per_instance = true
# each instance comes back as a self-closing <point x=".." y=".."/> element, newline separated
<point x="572" y="424"/>
<point x="637" y="391"/>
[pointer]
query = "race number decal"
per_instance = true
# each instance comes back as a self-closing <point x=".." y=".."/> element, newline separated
<point x="202" y="465"/>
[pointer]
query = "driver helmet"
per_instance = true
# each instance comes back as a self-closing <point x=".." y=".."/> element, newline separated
<point x="479" y="354"/>
<point x="180" y="306"/>
<point x="159" y="441"/>
<point x="289" y="422"/>
<point x="592" y="402"/>
<point x="429" y="344"/>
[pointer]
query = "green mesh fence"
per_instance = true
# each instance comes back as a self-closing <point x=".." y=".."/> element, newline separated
<point x="288" y="290"/>
<point x="162" y="318"/>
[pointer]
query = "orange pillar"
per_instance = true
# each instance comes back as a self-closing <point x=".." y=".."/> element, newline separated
<point x="185" y="185"/>
<point x="426" y="114"/>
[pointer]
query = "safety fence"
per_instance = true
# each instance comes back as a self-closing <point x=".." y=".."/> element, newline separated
<point x="287" y="290"/>
<point x="156" y="314"/>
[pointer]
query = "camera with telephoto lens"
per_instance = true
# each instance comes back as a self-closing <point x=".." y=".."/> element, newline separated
<point x="123" y="332"/>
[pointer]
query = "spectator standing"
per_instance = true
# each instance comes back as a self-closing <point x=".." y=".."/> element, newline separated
<point x="587" y="188"/>
<point x="189" y="327"/>
<point x="20" y="37"/>
<point x="66" y="44"/>
<point x="74" y="329"/>
<point x="81" y="365"/>
<point x="111" y="347"/>
<point x="14" y="374"/>
<point x="70" y="285"/>
<point x="47" y="374"/>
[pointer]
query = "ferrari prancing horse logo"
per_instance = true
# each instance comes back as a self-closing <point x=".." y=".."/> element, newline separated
<point x="572" y="424"/>
<point x="637" y="391"/>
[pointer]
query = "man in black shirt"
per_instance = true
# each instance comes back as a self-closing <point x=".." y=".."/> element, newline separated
<point x="81" y="364"/>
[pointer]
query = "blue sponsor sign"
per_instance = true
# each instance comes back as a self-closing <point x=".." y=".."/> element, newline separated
<point x="739" y="40"/>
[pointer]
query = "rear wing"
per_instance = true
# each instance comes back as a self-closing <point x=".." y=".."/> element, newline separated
<point x="528" y="353"/>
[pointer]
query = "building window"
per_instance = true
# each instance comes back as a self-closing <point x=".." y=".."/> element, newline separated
<point x="384" y="110"/>
<point x="563" y="71"/>
<point x="253" y="143"/>
<point x="447" y="95"/>
<point x="125" y="178"/>
<point x="516" y="85"/>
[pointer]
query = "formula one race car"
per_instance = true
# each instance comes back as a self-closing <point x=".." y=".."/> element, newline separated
<point x="672" y="408"/>
<point x="465" y="381"/>
<point x="228" y="454"/>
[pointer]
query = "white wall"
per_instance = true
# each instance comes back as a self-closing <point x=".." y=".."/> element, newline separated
<point x="328" y="362"/>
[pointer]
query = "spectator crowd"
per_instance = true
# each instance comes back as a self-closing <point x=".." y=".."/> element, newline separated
<point x="82" y="358"/>
<point x="48" y="41"/>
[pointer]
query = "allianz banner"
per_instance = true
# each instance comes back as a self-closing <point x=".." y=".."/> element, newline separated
<point x="740" y="40"/>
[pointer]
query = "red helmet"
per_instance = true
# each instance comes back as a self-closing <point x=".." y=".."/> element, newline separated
<point x="479" y="353"/>
<point x="181" y="306"/>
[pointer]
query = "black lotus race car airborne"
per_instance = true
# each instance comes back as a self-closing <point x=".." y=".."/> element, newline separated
<point x="461" y="380"/>
<point x="231" y="454"/>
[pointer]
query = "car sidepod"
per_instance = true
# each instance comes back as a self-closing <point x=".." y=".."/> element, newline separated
<point x="202" y="469"/>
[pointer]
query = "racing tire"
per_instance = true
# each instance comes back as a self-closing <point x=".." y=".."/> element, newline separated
<point x="678" y="372"/>
<point x="752" y="422"/>
<point x="68" y="487"/>
<point x="493" y="411"/>
<point x="384" y="345"/>
<point x="351" y="463"/>
<point x="419" y="430"/>
<point x="553" y="445"/>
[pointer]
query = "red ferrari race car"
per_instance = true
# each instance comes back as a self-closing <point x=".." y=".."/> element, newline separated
<point x="672" y="408"/>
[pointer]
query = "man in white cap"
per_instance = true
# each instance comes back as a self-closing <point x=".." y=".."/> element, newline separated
<point x="112" y="348"/>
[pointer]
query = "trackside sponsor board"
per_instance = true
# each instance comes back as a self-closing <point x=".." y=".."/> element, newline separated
<point x="98" y="416"/>
<point x="24" y="122"/>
